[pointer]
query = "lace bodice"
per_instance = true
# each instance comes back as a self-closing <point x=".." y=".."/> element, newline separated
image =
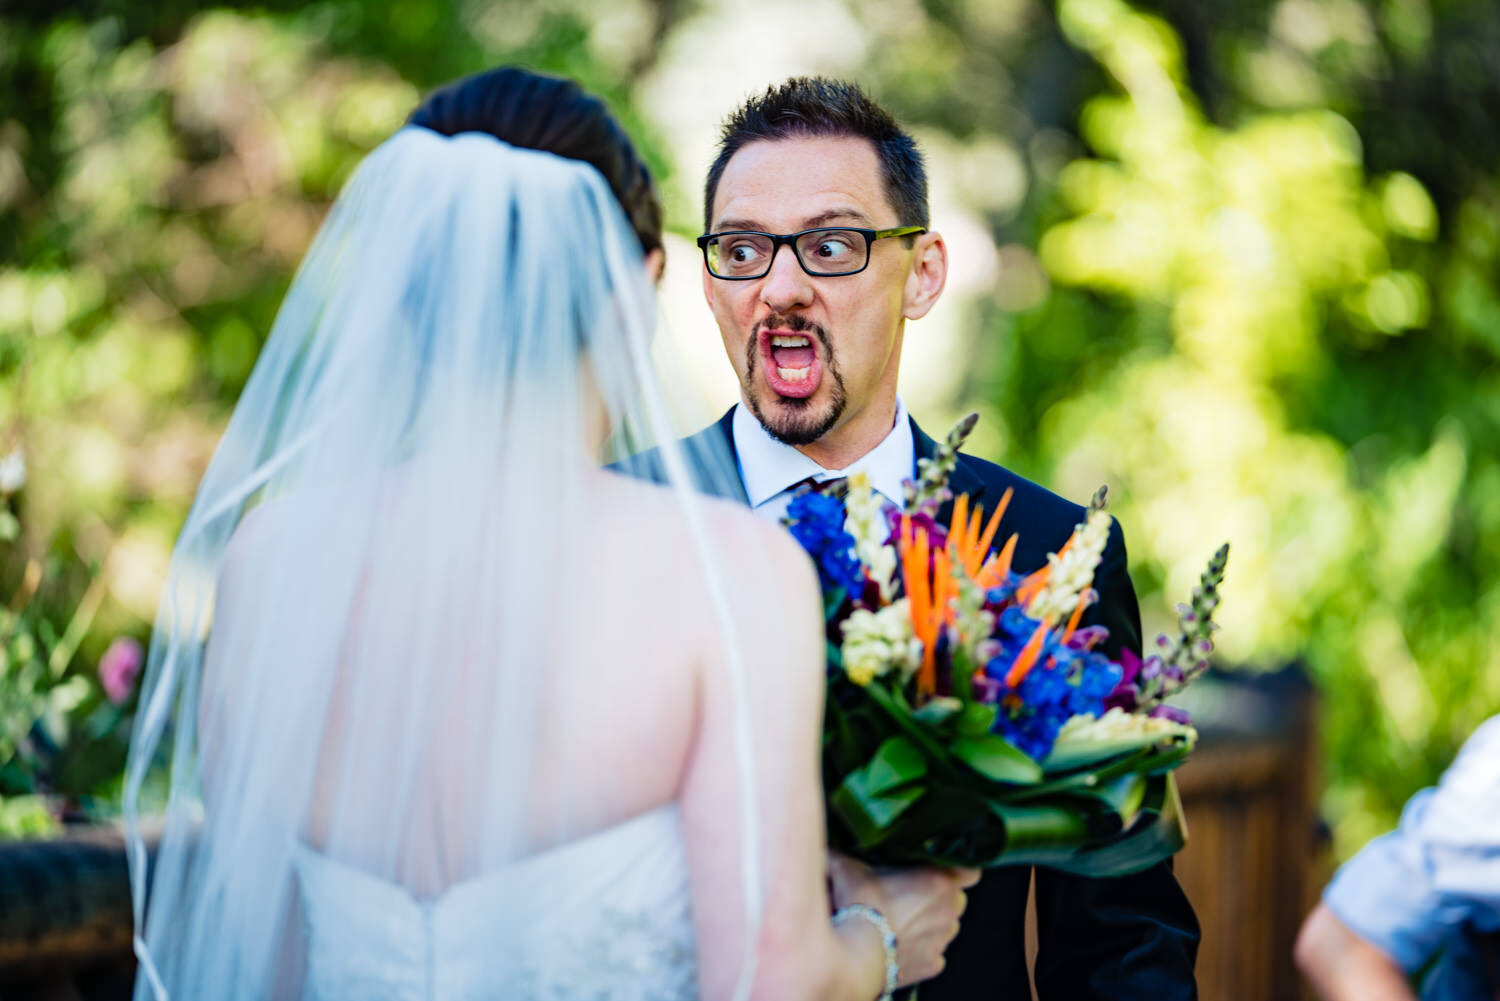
<point x="604" y="917"/>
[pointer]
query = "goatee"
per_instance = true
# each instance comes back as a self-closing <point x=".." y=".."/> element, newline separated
<point x="796" y="421"/>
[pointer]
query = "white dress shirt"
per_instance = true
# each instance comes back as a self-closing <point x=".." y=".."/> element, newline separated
<point x="770" y="468"/>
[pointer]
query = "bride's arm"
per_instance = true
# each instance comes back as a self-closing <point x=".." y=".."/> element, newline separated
<point x="798" y="952"/>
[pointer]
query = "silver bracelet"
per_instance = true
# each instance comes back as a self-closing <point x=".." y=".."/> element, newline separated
<point x="887" y="941"/>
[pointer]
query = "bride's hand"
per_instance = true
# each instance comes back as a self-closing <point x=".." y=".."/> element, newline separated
<point x="922" y="905"/>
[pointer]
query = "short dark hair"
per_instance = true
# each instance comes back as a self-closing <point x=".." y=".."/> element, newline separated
<point x="815" y="106"/>
<point x="549" y="113"/>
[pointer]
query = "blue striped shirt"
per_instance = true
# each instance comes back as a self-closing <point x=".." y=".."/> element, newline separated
<point x="1408" y="891"/>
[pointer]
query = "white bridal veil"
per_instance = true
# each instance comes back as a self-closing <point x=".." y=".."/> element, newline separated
<point x="385" y="603"/>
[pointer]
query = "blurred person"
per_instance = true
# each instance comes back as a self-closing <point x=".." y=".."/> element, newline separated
<point x="1421" y="902"/>
<point x="817" y="250"/>
<point x="448" y="710"/>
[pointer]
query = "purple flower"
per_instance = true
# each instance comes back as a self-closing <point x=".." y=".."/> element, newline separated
<point x="937" y="535"/>
<point x="987" y="689"/>
<point x="1088" y="637"/>
<point x="119" y="667"/>
<point x="1172" y="713"/>
<point x="1126" y="696"/>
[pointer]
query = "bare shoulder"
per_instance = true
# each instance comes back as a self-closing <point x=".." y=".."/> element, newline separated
<point x="768" y="577"/>
<point x="776" y="599"/>
<point x="753" y="546"/>
<point x="759" y="547"/>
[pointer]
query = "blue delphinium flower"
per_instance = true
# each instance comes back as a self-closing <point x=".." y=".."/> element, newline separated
<point x="998" y="598"/>
<point x="817" y="522"/>
<point x="1034" y="711"/>
<point x="1064" y="682"/>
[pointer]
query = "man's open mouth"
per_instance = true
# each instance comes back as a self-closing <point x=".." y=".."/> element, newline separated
<point x="792" y="365"/>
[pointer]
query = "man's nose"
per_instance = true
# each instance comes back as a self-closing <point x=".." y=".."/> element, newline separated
<point x="786" y="285"/>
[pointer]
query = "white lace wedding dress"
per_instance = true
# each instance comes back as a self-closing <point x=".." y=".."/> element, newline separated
<point x="624" y="932"/>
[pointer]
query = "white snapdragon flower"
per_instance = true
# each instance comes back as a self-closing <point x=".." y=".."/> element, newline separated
<point x="976" y="624"/>
<point x="876" y="642"/>
<point x="865" y="521"/>
<point x="1115" y="724"/>
<point x="1083" y="739"/>
<point x="1072" y="572"/>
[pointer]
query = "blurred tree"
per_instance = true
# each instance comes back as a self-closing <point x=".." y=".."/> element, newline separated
<point x="1267" y="308"/>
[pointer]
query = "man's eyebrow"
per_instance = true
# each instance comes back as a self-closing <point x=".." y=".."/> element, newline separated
<point x="836" y="215"/>
<point x="726" y="225"/>
<point x="812" y="222"/>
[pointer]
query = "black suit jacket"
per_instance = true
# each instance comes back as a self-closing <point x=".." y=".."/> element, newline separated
<point x="1131" y="937"/>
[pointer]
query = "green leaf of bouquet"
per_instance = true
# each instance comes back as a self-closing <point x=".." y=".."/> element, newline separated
<point x="866" y="814"/>
<point x="870" y="799"/>
<point x="1164" y="757"/>
<point x="1038" y="832"/>
<point x="1110" y="805"/>
<point x="1122" y="798"/>
<point x="997" y="759"/>
<point x="977" y="719"/>
<point x="963" y="675"/>
<point x="1068" y="754"/>
<point x="1153" y="759"/>
<point x="1159" y="833"/>
<point x="939" y="711"/>
<point x="896" y="763"/>
<point x="899" y="712"/>
<point x="851" y="732"/>
<point x="1084" y="780"/>
<point x="839" y="738"/>
<point x="1080" y="781"/>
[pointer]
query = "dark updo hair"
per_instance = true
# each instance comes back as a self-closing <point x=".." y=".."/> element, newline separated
<point x="554" y="115"/>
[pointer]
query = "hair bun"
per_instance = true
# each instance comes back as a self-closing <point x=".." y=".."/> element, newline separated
<point x="554" y="115"/>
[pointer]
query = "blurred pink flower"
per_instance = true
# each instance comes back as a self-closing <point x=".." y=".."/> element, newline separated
<point x="119" y="667"/>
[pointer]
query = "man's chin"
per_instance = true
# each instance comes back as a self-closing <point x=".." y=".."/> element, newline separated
<point x="794" y="421"/>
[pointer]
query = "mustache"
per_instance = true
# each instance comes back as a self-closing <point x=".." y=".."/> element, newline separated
<point x="796" y="323"/>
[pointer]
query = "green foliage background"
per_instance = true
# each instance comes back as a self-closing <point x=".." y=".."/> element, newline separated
<point x="1247" y="271"/>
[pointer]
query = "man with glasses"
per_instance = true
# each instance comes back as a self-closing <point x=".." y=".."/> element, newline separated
<point x="817" y="251"/>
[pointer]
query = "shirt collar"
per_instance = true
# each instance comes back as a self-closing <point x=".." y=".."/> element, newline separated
<point x="769" y="467"/>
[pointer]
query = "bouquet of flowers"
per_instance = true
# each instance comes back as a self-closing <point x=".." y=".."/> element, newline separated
<point x="971" y="720"/>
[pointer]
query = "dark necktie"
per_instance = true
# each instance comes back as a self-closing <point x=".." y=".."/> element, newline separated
<point x="837" y="486"/>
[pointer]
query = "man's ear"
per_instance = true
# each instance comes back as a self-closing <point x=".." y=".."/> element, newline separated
<point x="710" y="284"/>
<point x="928" y="275"/>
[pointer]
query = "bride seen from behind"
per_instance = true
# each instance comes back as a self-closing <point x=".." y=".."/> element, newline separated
<point x="450" y="710"/>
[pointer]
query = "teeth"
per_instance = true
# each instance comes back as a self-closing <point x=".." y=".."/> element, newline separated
<point x="785" y="341"/>
<point x="793" y="374"/>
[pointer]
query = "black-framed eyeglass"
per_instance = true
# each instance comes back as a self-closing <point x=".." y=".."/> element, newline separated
<point x="743" y="255"/>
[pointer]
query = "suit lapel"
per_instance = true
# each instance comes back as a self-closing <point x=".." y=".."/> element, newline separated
<point x="715" y="440"/>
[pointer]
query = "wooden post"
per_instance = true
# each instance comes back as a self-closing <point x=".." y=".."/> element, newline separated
<point x="1255" y="859"/>
<point x="65" y="917"/>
